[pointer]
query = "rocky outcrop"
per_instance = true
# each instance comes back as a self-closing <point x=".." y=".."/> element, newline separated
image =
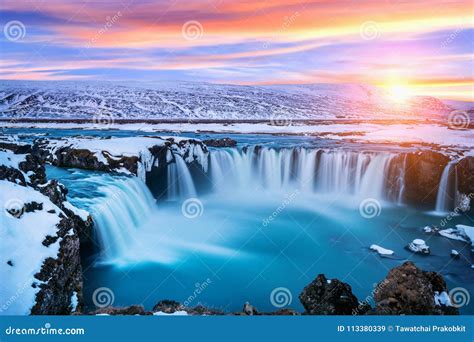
<point x="168" y="306"/>
<point x="423" y="172"/>
<point x="465" y="172"/>
<point x="59" y="280"/>
<point x="128" y="310"/>
<point x="328" y="297"/>
<point x="69" y="156"/>
<point x="224" y="142"/>
<point x="407" y="290"/>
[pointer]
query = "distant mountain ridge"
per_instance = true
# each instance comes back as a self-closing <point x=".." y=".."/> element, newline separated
<point x="188" y="100"/>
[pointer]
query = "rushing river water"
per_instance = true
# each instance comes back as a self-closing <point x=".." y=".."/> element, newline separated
<point x="256" y="229"/>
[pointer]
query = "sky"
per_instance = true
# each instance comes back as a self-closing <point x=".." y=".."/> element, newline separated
<point x="421" y="47"/>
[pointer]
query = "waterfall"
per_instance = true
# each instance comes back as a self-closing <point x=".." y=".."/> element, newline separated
<point x="447" y="190"/>
<point x="125" y="204"/>
<point x="309" y="170"/>
<point x="180" y="182"/>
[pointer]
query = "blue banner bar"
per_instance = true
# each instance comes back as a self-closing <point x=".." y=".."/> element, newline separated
<point x="237" y="328"/>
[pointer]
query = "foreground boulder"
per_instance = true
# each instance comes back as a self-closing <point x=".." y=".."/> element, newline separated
<point x="407" y="290"/>
<point x="328" y="297"/>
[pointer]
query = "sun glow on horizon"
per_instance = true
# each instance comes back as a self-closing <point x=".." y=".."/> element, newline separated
<point x="399" y="93"/>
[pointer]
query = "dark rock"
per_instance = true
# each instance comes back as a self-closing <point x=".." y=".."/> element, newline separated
<point x="249" y="309"/>
<point x="129" y="310"/>
<point x="407" y="290"/>
<point x="203" y="311"/>
<point x="284" y="312"/>
<point x="423" y="172"/>
<point x="33" y="206"/>
<point x="225" y="142"/>
<point x="12" y="175"/>
<point x="328" y="297"/>
<point x="465" y="173"/>
<point x="55" y="191"/>
<point x="61" y="277"/>
<point x="168" y="306"/>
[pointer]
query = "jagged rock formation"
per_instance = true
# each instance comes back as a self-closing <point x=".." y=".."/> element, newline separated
<point x="465" y="170"/>
<point x="58" y="281"/>
<point x="328" y="297"/>
<point x="407" y="290"/>
<point x="423" y="172"/>
<point x="224" y="142"/>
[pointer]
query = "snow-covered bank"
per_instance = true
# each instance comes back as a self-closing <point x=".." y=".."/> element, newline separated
<point x="39" y="235"/>
<point x="22" y="233"/>
<point x="360" y="132"/>
<point x="132" y="155"/>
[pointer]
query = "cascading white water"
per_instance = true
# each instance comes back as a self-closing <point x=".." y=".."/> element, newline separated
<point x="447" y="190"/>
<point x="310" y="170"/>
<point x="125" y="204"/>
<point x="180" y="182"/>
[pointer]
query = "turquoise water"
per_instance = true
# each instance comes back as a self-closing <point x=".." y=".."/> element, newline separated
<point x="239" y="254"/>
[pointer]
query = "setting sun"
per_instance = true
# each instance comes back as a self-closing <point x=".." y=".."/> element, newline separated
<point x="399" y="93"/>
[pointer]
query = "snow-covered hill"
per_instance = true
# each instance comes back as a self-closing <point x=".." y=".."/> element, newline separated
<point x="187" y="100"/>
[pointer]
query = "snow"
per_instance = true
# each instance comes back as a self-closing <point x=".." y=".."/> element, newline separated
<point x="438" y="134"/>
<point x="467" y="231"/>
<point x="442" y="299"/>
<point x="107" y="101"/>
<point x="452" y="233"/>
<point x="381" y="250"/>
<point x="9" y="159"/>
<point x="176" y="313"/>
<point x="21" y="244"/>
<point x="419" y="242"/>
<point x="461" y="233"/>
<point x="83" y="214"/>
<point x="117" y="148"/>
<point x="74" y="301"/>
